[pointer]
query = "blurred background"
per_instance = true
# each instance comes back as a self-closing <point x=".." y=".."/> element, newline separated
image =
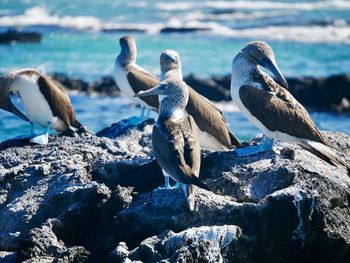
<point x="80" y="40"/>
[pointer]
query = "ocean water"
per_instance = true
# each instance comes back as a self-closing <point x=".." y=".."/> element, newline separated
<point x="80" y="38"/>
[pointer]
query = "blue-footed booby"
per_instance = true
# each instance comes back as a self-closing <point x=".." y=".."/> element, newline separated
<point x="45" y="103"/>
<point x="214" y="132"/>
<point x="131" y="78"/>
<point x="270" y="107"/>
<point x="175" y="137"/>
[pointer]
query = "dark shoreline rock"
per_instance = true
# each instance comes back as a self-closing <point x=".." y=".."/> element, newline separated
<point x="89" y="199"/>
<point x="323" y="94"/>
<point x="330" y="94"/>
<point x="13" y="35"/>
<point x="168" y="30"/>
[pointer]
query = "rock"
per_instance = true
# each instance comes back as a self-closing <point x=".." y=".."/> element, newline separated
<point x="122" y="127"/>
<point x="90" y="199"/>
<point x="183" y="29"/>
<point x="106" y="86"/>
<point x="208" y="88"/>
<point x="71" y="83"/>
<point x="281" y="203"/>
<point x="52" y="208"/>
<point x="122" y="30"/>
<point x="330" y="92"/>
<point x="201" y="244"/>
<point x="7" y="257"/>
<point x="333" y="92"/>
<point x="13" y="35"/>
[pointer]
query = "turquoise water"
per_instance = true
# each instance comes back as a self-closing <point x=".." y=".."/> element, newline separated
<point x="309" y="37"/>
<point x="80" y="38"/>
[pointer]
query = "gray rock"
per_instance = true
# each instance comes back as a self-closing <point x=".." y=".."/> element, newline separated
<point x="7" y="257"/>
<point x="288" y="204"/>
<point x="205" y="243"/>
<point x="90" y="198"/>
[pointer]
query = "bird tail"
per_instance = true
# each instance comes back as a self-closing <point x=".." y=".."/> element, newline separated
<point x="77" y="124"/>
<point x="198" y="182"/>
<point x="190" y="196"/>
<point x="234" y="140"/>
<point x="325" y="153"/>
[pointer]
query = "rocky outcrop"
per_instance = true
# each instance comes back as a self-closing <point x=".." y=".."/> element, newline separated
<point x="326" y="94"/>
<point x="323" y="94"/>
<point x="90" y="199"/>
<point x="13" y="35"/>
<point x="170" y="29"/>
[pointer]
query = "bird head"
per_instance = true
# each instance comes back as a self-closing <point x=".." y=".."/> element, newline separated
<point x="128" y="49"/>
<point x="169" y="59"/>
<point x="260" y="53"/>
<point x="5" y="98"/>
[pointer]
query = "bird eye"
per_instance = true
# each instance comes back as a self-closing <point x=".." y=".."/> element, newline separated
<point x="166" y="87"/>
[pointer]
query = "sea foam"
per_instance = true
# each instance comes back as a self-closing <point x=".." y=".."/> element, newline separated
<point x="335" y="32"/>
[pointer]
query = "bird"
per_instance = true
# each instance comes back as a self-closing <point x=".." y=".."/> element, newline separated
<point x="270" y="107"/>
<point x="131" y="78"/>
<point x="175" y="137"/>
<point x="214" y="132"/>
<point x="44" y="100"/>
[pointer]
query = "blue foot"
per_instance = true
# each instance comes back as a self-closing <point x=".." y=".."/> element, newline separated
<point x="42" y="138"/>
<point x="134" y="121"/>
<point x="167" y="185"/>
<point x="265" y="146"/>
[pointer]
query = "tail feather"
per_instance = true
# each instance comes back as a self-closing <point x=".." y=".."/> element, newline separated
<point x="234" y="140"/>
<point x="190" y="196"/>
<point x="325" y="153"/>
<point x="198" y="182"/>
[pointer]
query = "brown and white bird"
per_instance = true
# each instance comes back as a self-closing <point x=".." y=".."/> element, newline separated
<point x="214" y="132"/>
<point x="270" y="107"/>
<point x="131" y="78"/>
<point x="175" y="137"/>
<point x="45" y="102"/>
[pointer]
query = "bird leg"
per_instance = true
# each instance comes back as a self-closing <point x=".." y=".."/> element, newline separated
<point x="266" y="145"/>
<point x="31" y="133"/>
<point x="167" y="185"/>
<point x="143" y="109"/>
<point x="44" y="137"/>
<point x="148" y="113"/>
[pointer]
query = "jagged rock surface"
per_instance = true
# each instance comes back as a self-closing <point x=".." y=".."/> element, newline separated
<point x="89" y="199"/>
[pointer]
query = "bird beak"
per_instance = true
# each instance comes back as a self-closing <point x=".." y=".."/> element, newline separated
<point x="271" y="65"/>
<point x="12" y="108"/>
<point x="157" y="90"/>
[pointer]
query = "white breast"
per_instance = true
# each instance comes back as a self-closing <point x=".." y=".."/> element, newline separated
<point x="35" y="105"/>
<point x="120" y="76"/>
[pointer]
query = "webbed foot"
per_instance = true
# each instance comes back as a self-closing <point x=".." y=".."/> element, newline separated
<point x="266" y="145"/>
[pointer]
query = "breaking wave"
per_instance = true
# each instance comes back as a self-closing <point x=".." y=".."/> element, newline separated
<point x="330" y="4"/>
<point x="203" y="23"/>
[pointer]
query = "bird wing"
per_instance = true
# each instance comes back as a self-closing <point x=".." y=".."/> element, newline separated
<point x="59" y="101"/>
<point x="177" y="149"/>
<point x="142" y="80"/>
<point x="210" y="119"/>
<point x="279" y="111"/>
